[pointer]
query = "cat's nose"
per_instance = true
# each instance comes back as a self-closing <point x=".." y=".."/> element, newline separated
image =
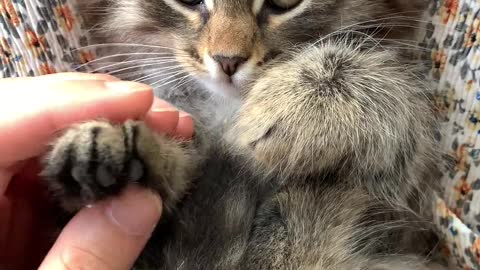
<point x="229" y="64"/>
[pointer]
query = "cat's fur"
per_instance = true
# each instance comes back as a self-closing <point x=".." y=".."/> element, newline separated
<point x="318" y="153"/>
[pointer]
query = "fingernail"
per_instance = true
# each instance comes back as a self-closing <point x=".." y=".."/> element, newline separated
<point x="69" y="76"/>
<point x="107" y="77"/>
<point x="136" y="211"/>
<point x="160" y="105"/>
<point x="127" y="86"/>
<point x="165" y="114"/>
<point x="183" y="114"/>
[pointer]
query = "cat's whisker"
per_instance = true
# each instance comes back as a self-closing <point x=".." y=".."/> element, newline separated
<point x="119" y="64"/>
<point x="165" y="82"/>
<point x="387" y="25"/>
<point x="148" y="73"/>
<point x="141" y="66"/>
<point x="359" y="42"/>
<point x="385" y="19"/>
<point x="186" y="80"/>
<point x="159" y="60"/>
<point x="131" y="75"/>
<point x="383" y="42"/>
<point x="165" y="76"/>
<point x="167" y="56"/>
<point x="365" y="25"/>
<point x="156" y="73"/>
<point x="134" y="67"/>
<point x="89" y="30"/>
<point x="402" y="44"/>
<point x="408" y="48"/>
<point x="181" y="81"/>
<point x="135" y="45"/>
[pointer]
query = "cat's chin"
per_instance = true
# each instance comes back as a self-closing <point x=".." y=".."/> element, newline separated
<point x="227" y="89"/>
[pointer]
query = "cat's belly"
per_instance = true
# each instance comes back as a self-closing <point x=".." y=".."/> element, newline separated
<point x="212" y="226"/>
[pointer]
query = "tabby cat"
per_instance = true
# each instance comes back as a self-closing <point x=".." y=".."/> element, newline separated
<point x="315" y="137"/>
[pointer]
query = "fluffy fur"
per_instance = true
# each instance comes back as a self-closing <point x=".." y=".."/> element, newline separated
<point x="316" y="153"/>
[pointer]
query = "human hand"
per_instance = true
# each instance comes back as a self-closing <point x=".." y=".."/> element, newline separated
<point x="32" y="112"/>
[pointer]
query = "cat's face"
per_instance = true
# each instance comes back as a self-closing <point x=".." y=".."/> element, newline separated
<point x="225" y="43"/>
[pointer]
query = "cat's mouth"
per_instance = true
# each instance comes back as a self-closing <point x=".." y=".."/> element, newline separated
<point x="227" y="77"/>
<point x="224" y="87"/>
<point x="227" y="74"/>
<point x="228" y="70"/>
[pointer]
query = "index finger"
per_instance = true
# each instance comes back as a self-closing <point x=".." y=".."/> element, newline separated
<point x="33" y="110"/>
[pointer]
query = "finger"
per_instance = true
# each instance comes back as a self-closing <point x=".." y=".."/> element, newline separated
<point x="18" y="230"/>
<point x="5" y="217"/>
<point x="32" y="114"/>
<point x="162" y="117"/>
<point x="185" y="127"/>
<point x="66" y="76"/>
<point x="5" y="176"/>
<point x="71" y="76"/>
<point x="108" y="236"/>
<point x="26" y="220"/>
<point x="165" y="118"/>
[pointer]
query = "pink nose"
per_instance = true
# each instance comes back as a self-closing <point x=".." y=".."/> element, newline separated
<point x="229" y="64"/>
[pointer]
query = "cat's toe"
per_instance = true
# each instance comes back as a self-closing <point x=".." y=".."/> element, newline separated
<point x="91" y="162"/>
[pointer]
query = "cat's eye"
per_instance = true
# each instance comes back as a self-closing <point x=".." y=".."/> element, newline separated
<point x="282" y="5"/>
<point x="191" y="2"/>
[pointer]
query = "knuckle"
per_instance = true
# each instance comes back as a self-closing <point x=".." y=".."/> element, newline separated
<point x="75" y="258"/>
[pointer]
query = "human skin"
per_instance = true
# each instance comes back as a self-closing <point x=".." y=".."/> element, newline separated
<point x="33" y="112"/>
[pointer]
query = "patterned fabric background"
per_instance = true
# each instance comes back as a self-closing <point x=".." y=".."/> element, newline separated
<point x="39" y="37"/>
<point x="44" y="36"/>
<point x="452" y="43"/>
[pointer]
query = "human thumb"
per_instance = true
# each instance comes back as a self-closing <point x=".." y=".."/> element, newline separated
<point x="109" y="235"/>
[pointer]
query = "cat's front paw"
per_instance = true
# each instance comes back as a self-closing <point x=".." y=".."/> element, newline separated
<point x="328" y="106"/>
<point x="92" y="161"/>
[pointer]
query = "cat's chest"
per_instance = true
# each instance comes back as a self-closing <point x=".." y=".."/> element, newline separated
<point x="214" y="224"/>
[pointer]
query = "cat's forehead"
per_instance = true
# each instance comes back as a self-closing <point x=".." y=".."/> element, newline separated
<point x="233" y="7"/>
<point x="277" y="21"/>
<point x="230" y="4"/>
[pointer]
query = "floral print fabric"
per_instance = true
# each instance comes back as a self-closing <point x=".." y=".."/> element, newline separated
<point x="39" y="37"/>
<point x="452" y="47"/>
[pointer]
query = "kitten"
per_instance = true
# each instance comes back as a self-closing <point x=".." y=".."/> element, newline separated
<point x="314" y="144"/>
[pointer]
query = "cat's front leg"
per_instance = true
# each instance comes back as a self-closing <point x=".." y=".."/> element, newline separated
<point x="97" y="159"/>
<point x="336" y="106"/>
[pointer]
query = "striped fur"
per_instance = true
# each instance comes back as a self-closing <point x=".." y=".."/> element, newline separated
<point x="317" y="152"/>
